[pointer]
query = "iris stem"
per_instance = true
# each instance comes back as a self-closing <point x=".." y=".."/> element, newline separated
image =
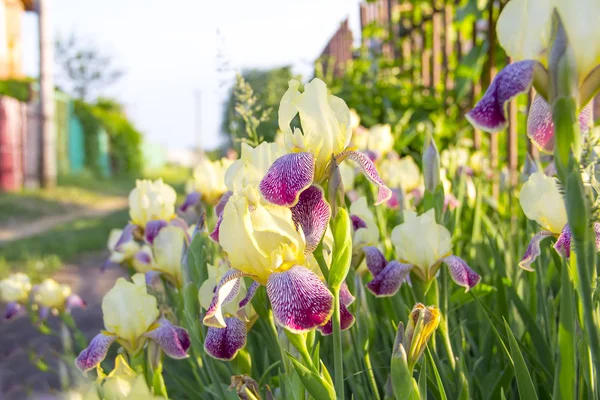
<point x="337" y="346"/>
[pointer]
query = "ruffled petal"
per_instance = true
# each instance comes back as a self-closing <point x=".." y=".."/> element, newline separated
<point x="224" y="343"/>
<point x="388" y="281"/>
<point x="461" y="273"/>
<point x="563" y="244"/>
<point x="191" y="200"/>
<point x="346" y="317"/>
<point x="540" y="127"/>
<point x="533" y="250"/>
<point x="174" y="340"/>
<point x="95" y="352"/>
<point x="226" y="290"/>
<point x="153" y="228"/>
<point x="249" y="294"/>
<point x="12" y="310"/>
<point x="490" y="113"/>
<point x="375" y="259"/>
<point x="368" y="168"/>
<point x="300" y="300"/>
<point x="214" y="235"/>
<point x="127" y="235"/>
<point x="287" y="178"/>
<point x="312" y="213"/>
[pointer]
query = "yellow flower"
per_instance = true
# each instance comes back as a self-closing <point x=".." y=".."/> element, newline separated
<point x="367" y="235"/>
<point x="260" y="239"/>
<point x="151" y="201"/>
<point x="209" y="179"/>
<point x="15" y="288"/>
<point x="348" y="173"/>
<point x="381" y="140"/>
<point x="542" y="202"/>
<point x="52" y="294"/>
<point x="479" y="163"/>
<point x="524" y="30"/>
<point x="168" y="248"/>
<point x="126" y="251"/>
<point x="401" y="172"/>
<point x="326" y="122"/>
<point x="422" y="242"/>
<point x="244" y="175"/>
<point x="354" y="119"/>
<point x="422" y="323"/>
<point x="129" y="311"/>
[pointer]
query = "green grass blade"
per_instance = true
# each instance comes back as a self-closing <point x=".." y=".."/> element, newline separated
<point x="564" y="378"/>
<point x="524" y="382"/>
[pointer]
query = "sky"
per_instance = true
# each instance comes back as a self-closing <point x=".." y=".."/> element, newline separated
<point x="168" y="50"/>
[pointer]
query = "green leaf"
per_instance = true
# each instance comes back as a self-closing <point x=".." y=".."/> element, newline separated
<point x="342" y="248"/>
<point x="315" y="384"/>
<point x="436" y="373"/>
<point x="423" y="380"/>
<point x="524" y="382"/>
<point x="564" y="378"/>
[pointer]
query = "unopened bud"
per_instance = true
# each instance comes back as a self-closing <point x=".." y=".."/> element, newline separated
<point x="431" y="164"/>
<point x="246" y="387"/>
<point x="422" y="323"/>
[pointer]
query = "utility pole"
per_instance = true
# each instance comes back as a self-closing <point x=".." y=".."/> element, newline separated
<point x="47" y="139"/>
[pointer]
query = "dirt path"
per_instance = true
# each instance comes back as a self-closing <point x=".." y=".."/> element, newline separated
<point x="19" y="379"/>
<point x="46" y="223"/>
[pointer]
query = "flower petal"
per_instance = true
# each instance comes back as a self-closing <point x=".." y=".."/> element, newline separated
<point x="249" y="294"/>
<point x="346" y="317"/>
<point x="461" y="273"/>
<point x="12" y="309"/>
<point x="95" y="352"/>
<point x="357" y="222"/>
<point x="375" y="259"/>
<point x="174" y="340"/>
<point x="490" y="113"/>
<point x="540" y="127"/>
<point x="533" y="250"/>
<point x="214" y="235"/>
<point x="287" y="178"/>
<point x="127" y="235"/>
<point x="153" y="228"/>
<point x="346" y="298"/>
<point x="74" y="301"/>
<point x="224" y="343"/>
<point x="388" y="281"/>
<point x="226" y="290"/>
<point x="191" y="200"/>
<point x="300" y="300"/>
<point x="312" y="213"/>
<point x="368" y="168"/>
<point x="563" y="244"/>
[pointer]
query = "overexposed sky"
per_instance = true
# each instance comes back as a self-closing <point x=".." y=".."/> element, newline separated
<point x="169" y="51"/>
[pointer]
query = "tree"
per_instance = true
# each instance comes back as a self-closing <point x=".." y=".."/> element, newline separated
<point x="85" y="70"/>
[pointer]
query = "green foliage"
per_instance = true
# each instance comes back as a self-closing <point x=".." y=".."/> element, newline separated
<point x="264" y="88"/>
<point x="20" y="89"/>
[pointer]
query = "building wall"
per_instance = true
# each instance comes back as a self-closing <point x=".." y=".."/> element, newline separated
<point x="11" y="52"/>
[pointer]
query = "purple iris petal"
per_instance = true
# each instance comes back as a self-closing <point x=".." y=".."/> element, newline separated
<point x="128" y="235"/>
<point x="357" y="222"/>
<point x="12" y="309"/>
<point x="533" y="250"/>
<point x="74" y="301"/>
<point x="346" y="317"/>
<point x="174" y="340"/>
<point x="368" y="168"/>
<point x="181" y="223"/>
<point x="153" y="228"/>
<point x="143" y="257"/>
<point x="300" y="300"/>
<point x="190" y="200"/>
<point x="43" y="313"/>
<point x="287" y="177"/>
<point x="490" y="113"/>
<point x="461" y="273"/>
<point x="375" y="259"/>
<point x="388" y="281"/>
<point x="224" y="343"/>
<point x="312" y="213"/>
<point x="563" y="244"/>
<point x="95" y="352"/>
<point x="151" y="277"/>
<point x="540" y="127"/>
<point x="249" y="294"/>
<point x="226" y="290"/>
<point x="214" y="235"/>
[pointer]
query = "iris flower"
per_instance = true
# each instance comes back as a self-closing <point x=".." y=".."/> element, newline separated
<point x="53" y="296"/>
<point x="524" y="30"/>
<point x="542" y="202"/>
<point x="325" y="136"/>
<point x="14" y="291"/>
<point x="208" y="183"/>
<point x="422" y="246"/>
<point x="131" y="318"/>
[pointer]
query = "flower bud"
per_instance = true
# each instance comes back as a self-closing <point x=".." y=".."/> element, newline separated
<point x="422" y="323"/>
<point x="245" y="386"/>
<point x="431" y="164"/>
